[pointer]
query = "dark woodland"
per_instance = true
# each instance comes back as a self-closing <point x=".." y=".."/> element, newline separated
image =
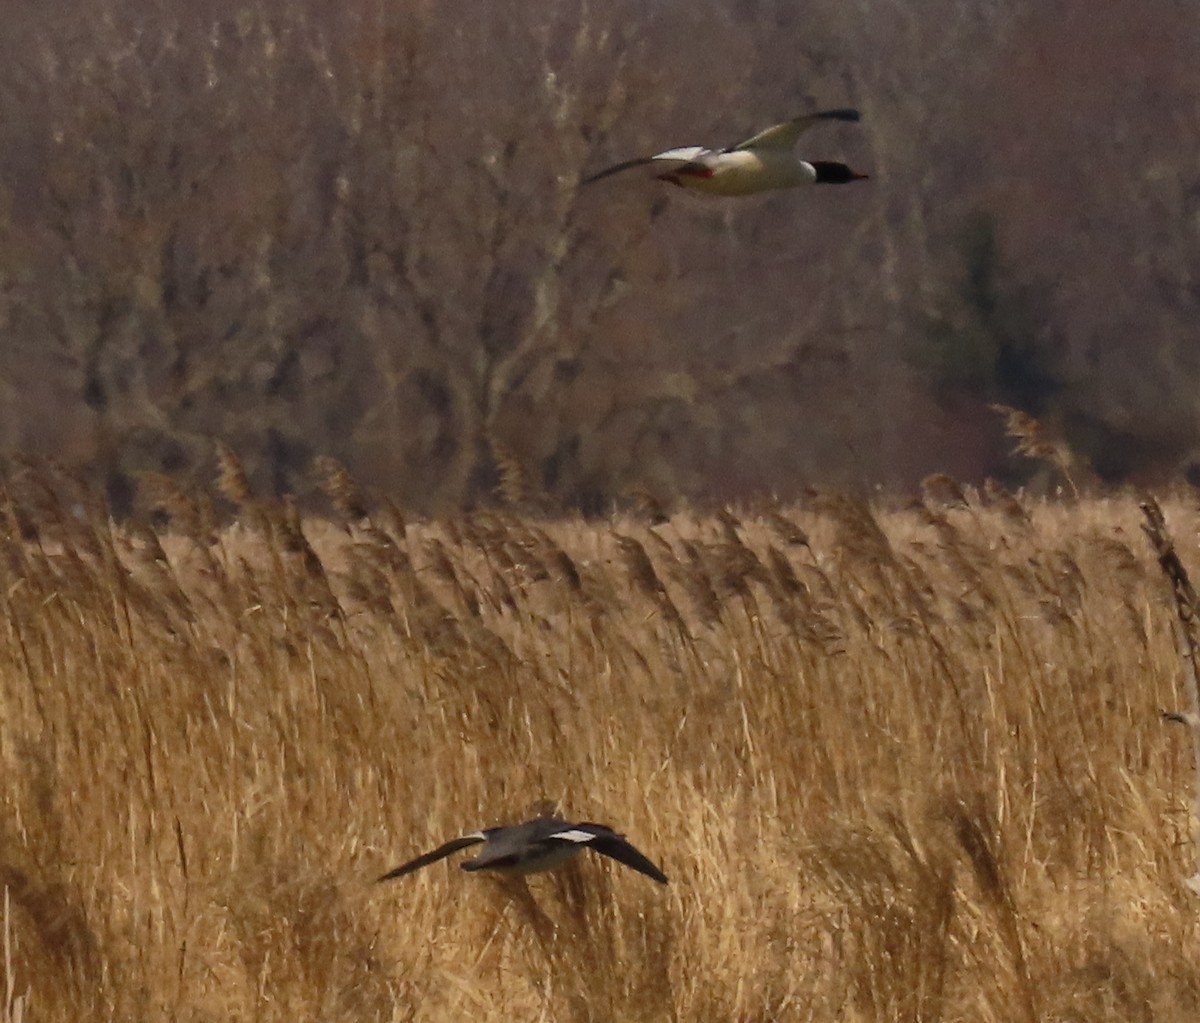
<point x="304" y="229"/>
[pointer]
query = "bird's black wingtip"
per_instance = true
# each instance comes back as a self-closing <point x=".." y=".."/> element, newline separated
<point x="841" y="114"/>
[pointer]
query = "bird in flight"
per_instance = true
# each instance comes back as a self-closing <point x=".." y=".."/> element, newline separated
<point x="534" y="846"/>
<point x="759" y="164"/>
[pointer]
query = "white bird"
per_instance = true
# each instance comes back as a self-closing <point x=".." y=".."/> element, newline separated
<point x="763" y="162"/>
<point x="534" y="846"/>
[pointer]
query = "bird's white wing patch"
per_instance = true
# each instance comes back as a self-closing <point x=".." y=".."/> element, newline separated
<point x="778" y="136"/>
<point x="683" y="155"/>
<point x="573" y="835"/>
<point x="783" y="136"/>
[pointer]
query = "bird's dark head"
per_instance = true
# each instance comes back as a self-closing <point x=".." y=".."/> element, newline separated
<point x="829" y="173"/>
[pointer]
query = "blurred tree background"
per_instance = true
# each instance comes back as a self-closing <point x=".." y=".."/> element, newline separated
<point x="355" y="230"/>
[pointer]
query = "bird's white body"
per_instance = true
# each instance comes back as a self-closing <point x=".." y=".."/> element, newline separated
<point x="744" y="172"/>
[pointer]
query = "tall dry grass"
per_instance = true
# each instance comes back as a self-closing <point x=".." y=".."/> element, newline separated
<point x="900" y="764"/>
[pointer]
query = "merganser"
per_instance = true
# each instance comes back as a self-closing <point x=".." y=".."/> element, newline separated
<point x="534" y="846"/>
<point x="763" y="162"/>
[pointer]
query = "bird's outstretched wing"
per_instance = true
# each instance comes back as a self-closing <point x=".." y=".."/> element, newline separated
<point x="440" y="853"/>
<point x="783" y="136"/>
<point x="609" y="843"/>
<point x="671" y="157"/>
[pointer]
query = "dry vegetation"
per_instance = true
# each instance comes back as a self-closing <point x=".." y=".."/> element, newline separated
<point x="899" y="764"/>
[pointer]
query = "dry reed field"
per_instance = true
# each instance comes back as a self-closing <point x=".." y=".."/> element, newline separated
<point x="900" y="764"/>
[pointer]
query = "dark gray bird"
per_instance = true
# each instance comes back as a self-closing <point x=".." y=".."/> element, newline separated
<point x="536" y="845"/>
